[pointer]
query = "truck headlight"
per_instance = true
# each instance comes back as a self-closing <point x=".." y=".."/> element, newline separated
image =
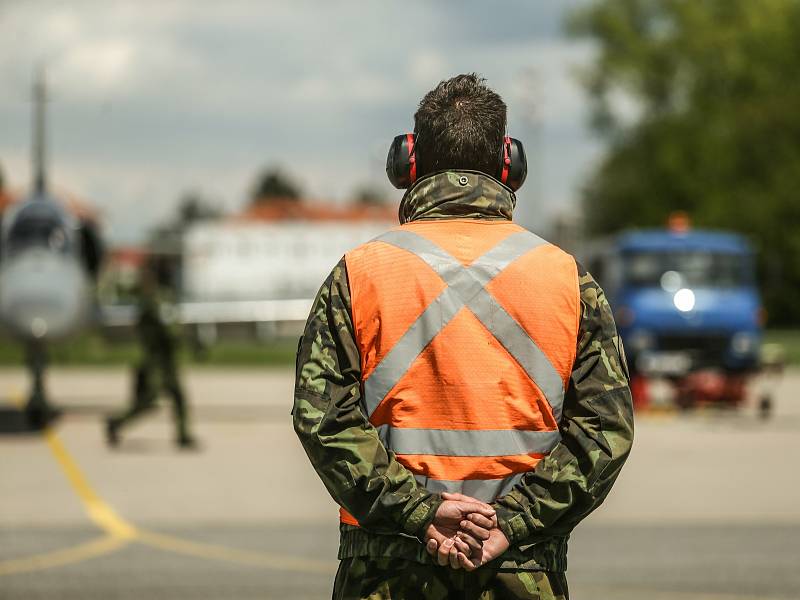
<point x="684" y="300"/>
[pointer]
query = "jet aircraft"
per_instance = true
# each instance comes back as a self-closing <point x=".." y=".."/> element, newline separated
<point x="48" y="260"/>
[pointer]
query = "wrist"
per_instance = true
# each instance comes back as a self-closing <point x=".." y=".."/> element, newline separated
<point x="512" y="524"/>
<point x="422" y="516"/>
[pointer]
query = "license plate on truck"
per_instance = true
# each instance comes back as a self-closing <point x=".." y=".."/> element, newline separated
<point x="665" y="363"/>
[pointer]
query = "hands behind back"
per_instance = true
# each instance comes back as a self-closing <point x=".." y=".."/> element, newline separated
<point x="464" y="533"/>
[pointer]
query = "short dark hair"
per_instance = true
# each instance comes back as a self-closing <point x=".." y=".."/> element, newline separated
<point x="460" y="124"/>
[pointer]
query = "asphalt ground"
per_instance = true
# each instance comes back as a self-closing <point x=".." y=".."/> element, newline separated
<point x="708" y="506"/>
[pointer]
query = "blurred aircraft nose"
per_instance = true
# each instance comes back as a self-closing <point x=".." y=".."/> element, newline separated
<point x="43" y="295"/>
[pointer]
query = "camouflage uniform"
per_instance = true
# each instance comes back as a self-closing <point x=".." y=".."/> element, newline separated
<point x="156" y="371"/>
<point x="384" y="557"/>
<point x="398" y="579"/>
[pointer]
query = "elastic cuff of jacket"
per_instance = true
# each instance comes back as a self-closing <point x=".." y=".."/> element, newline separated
<point x="422" y="516"/>
<point x="513" y="527"/>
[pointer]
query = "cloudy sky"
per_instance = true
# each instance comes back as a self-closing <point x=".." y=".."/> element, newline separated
<point x="153" y="99"/>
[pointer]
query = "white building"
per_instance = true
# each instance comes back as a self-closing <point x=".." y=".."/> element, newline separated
<point x="274" y="257"/>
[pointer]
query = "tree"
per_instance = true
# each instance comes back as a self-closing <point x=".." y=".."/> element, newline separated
<point x="274" y="184"/>
<point x="166" y="238"/>
<point x="709" y="123"/>
<point x="194" y="207"/>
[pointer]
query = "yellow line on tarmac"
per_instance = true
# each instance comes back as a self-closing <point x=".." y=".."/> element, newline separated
<point x="255" y="559"/>
<point x="99" y="512"/>
<point x="120" y="532"/>
<point x="58" y="558"/>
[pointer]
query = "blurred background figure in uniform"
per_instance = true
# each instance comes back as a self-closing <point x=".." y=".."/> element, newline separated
<point x="157" y="370"/>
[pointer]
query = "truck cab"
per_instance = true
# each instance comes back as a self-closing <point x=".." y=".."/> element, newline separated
<point x="684" y="301"/>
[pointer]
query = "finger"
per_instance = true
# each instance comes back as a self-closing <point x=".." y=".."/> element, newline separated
<point x="468" y="499"/>
<point x="468" y="564"/>
<point x="462" y="546"/>
<point x="432" y="546"/>
<point x="473" y="544"/>
<point x="482" y="521"/>
<point x="443" y="553"/>
<point x="453" y="556"/>
<point x="461" y="498"/>
<point x="437" y="536"/>
<point x="475" y="507"/>
<point x="479" y="533"/>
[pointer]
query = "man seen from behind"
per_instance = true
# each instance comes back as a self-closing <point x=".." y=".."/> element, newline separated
<point x="461" y="389"/>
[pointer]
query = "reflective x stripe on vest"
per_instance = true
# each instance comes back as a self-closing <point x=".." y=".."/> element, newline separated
<point x="466" y="287"/>
<point x="499" y="446"/>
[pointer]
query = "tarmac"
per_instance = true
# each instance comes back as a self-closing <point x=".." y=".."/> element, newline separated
<point x="707" y="508"/>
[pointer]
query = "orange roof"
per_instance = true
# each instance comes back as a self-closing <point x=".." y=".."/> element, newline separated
<point x="130" y="255"/>
<point x="74" y="206"/>
<point x="5" y="199"/>
<point x="299" y="210"/>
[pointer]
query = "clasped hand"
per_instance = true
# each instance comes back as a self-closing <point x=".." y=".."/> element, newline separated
<point x="464" y="533"/>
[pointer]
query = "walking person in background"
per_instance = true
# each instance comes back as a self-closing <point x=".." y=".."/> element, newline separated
<point x="157" y="369"/>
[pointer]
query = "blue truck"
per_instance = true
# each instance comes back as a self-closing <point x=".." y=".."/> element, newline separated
<point x="687" y="308"/>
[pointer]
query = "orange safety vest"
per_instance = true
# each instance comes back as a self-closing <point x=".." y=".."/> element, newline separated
<point x="467" y="331"/>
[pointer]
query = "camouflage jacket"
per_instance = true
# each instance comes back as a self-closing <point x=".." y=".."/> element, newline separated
<point x="156" y="336"/>
<point x="363" y="477"/>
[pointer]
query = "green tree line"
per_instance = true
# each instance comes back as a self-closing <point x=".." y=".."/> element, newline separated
<point x="699" y="102"/>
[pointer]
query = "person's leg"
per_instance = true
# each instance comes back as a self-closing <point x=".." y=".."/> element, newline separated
<point x="522" y="585"/>
<point x="143" y="401"/>
<point x="364" y="578"/>
<point x="179" y="411"/>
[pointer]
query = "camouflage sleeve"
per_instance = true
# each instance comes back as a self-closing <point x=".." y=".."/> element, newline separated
<point x="596" y="429"/>
<point x="342" y="445"/>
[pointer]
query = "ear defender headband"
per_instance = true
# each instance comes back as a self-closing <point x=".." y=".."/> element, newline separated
<point x="401" y="162"/>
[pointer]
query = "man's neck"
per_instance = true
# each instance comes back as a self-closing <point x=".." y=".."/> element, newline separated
<point x="457" y="195"/>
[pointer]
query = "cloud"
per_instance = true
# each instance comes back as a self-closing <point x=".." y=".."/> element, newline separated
<point x="149" y="103"/>
<point x="427" y="66"/>
<point x="104" y="65"/>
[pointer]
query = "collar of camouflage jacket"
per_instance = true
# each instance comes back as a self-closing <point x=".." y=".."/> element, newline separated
<point x="457" y="194"/>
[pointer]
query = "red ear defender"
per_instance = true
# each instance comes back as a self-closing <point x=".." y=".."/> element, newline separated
<point x="513" y="164"/>
<point x="401" y="162"/>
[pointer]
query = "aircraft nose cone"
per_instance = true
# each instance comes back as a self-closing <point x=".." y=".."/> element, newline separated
<point x="43" y="296"/>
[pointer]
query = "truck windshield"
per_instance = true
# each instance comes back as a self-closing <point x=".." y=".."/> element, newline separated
<point x="689" y="268"/>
